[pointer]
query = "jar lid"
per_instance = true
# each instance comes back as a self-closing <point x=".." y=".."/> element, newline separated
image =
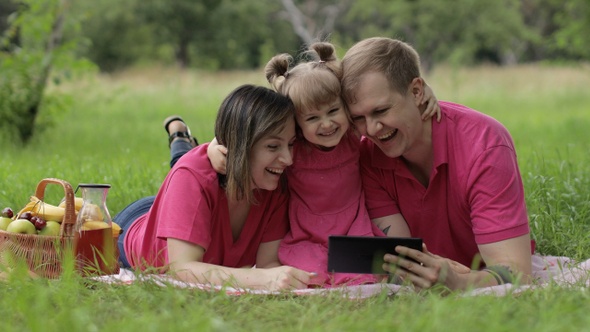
<point x="94" y="185"/>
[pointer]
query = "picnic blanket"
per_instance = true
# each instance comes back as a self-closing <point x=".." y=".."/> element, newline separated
<point x="547" y="270"/>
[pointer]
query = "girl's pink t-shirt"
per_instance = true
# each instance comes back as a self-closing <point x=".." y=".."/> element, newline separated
<point x="326" y="198"/>
<point x="191" y="206"/>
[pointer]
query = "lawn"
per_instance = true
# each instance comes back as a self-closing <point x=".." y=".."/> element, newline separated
<point x="107" y="129"/>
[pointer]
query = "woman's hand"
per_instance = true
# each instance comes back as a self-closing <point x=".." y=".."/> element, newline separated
<point x="284" y="278"/>
<point x="217" y="155"/>
<point x="276" y="276"/>
<point x="186" y="263"/>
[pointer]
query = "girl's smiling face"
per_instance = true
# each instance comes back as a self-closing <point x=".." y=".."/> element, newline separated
<point x="325" y="125"/>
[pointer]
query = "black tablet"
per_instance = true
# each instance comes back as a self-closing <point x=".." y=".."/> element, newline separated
<point x="364" y="254"/>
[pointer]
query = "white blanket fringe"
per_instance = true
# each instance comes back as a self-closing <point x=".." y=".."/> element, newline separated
<point x="547" y="270"/>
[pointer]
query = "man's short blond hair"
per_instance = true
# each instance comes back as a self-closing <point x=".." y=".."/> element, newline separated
<point x="398" y="61"/>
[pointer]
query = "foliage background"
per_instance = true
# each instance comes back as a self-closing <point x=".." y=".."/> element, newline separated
<point x="55" y="40"/>
<point x="522" y="61"/>
<point x="234" y="34"/>
<point x="230" y="34"/>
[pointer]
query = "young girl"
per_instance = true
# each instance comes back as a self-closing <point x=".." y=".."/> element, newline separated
<point x="326" y="196"/>
<point x="205" y="227"/>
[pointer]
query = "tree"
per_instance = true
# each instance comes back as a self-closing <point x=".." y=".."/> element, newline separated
<point x="459" y="31"/>
<point x="313" y="20"/>
<point x="239" y="39"/>
<point x="25" y="71"/>
<point x="562" y="28"/>
<point x="117" y="36"/>
<point x="574" y="21"/>
<point x="12" y="38"/>
<point x="180" y="22"/>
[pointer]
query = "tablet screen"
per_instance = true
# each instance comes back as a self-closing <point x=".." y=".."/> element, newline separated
<point x="364" y="254"/>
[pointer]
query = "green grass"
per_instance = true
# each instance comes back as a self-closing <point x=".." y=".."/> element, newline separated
<point x="110" y="132"/>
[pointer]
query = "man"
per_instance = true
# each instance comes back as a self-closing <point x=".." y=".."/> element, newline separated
<point x="455" y="183"/>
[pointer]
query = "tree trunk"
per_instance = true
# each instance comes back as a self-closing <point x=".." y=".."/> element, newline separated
<point x="27" y="126"/>
<point x="306" y="26"/>
<point x="182" y="53"/>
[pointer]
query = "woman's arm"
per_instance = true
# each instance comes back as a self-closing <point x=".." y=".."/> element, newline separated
<point x="267" y="255"/>
<point x="186" y="262"/>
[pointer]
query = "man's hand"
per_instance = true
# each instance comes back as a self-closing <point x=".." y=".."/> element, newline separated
<point x="424" y="269"/>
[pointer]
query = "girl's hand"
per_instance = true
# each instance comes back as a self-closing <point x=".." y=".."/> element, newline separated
<point x="431" y="102"/>
<point x="217" y="156"/>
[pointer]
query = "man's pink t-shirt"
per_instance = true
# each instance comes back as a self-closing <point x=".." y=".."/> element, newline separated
<point x="191" y="206"/>
<point x="475" y="194"/>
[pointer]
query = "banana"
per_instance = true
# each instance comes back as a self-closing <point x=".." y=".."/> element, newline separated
<point x="89" y="225"/>
<point x="91" y="212"/>
<point x="44" y="210"/>
<point x="116" y="229"/>
<point x="78" y="201"/>
<point x="94" y="225"/>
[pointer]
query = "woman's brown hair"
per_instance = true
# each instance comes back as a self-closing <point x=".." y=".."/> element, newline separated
<point x="248" y="114"/>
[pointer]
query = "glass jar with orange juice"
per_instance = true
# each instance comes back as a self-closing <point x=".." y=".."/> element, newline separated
<point x="95" y="243"/>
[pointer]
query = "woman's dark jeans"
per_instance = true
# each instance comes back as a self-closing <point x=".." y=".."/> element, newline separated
<point x="128" y="215"/>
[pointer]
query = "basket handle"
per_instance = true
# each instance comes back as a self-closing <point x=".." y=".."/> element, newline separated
<point x="67" y="225"/>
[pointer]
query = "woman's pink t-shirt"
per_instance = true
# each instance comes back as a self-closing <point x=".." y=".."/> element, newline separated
<point x="191" y="206"/>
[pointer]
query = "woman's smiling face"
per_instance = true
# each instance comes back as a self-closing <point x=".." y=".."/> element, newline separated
<point x="270" y="156"/>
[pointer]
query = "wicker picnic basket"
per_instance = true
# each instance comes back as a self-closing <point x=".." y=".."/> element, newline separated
<point x="43" y="254"/>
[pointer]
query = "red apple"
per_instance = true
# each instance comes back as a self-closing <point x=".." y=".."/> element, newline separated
<point x="7" y="212"/>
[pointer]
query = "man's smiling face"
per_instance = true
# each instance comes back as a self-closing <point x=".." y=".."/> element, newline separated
<point x="386" y="117"/>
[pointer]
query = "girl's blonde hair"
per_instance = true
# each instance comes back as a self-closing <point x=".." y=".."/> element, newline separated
<point x="308" y="84"/>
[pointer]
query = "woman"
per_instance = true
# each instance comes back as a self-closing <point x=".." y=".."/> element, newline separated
<point x="205" y="227"/>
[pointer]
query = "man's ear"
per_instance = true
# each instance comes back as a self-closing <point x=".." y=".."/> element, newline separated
<point x="417" y="90"/>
